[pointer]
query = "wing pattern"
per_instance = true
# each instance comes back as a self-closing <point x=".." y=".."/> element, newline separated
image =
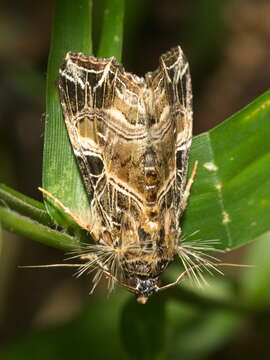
<point x="131" y="137"/>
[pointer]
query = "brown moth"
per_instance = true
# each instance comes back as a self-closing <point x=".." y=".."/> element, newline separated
<point x="131" y="137"/>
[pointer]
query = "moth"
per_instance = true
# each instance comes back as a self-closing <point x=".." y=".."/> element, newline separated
<point x="131" y="137"/>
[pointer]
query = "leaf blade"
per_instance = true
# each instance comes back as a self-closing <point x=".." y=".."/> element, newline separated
<point x="232" y="186"/>
<point x="111" y="40"/>
<point x="71" y="32"/>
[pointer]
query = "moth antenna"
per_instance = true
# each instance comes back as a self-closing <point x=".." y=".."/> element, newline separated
<point x="47" y="266"/>
<point x="237" y="265"/>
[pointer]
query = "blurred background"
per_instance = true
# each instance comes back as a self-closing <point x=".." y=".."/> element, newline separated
<point x="227" y="44"/>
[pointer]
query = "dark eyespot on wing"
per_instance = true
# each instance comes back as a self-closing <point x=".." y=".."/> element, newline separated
<point x="95" y="164"/>
<point x="179" y="159"/>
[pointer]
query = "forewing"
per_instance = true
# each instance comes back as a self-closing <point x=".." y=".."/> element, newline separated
<point x="100" y="103"/>
<point x="172" y="99"/>
<point x="80" y="108"/>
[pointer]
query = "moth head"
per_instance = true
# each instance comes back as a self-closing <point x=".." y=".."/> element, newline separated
<point x="143" y="287"/>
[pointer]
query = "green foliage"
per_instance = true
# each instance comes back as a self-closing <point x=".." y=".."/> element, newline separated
<point x="71" y="32"/>
<point x="233" y="184"/>
<point x="28" y="217"/>
<point x="112" y="23"/>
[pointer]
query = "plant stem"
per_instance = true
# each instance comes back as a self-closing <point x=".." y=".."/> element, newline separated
<point x="111" y="40"/>
<point x="27" y="227"/>
<point x="24" y="205"/>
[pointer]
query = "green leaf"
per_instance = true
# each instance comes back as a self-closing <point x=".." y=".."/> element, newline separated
<point x="25" y="226"/>
<point x="112" y="29"/>
<point x="231" y="195"/>
<point x="28" y="217"/>
<point x="71" y="32"/>
<point x="24" y="205"/>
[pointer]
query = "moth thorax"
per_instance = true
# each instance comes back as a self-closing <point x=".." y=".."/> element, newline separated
<point x="149" y="101"/>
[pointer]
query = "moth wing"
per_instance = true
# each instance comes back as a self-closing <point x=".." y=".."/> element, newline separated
<point x="86" y="88"/>
<point x="172" y="93"/>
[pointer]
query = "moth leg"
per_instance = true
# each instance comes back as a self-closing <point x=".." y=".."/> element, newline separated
<point x="64" y="208"/>
<point x="186" y="194"/>
<point x="185" y="273"/>
<point x="179" y="278"/>
<point x="176" y="282"/>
